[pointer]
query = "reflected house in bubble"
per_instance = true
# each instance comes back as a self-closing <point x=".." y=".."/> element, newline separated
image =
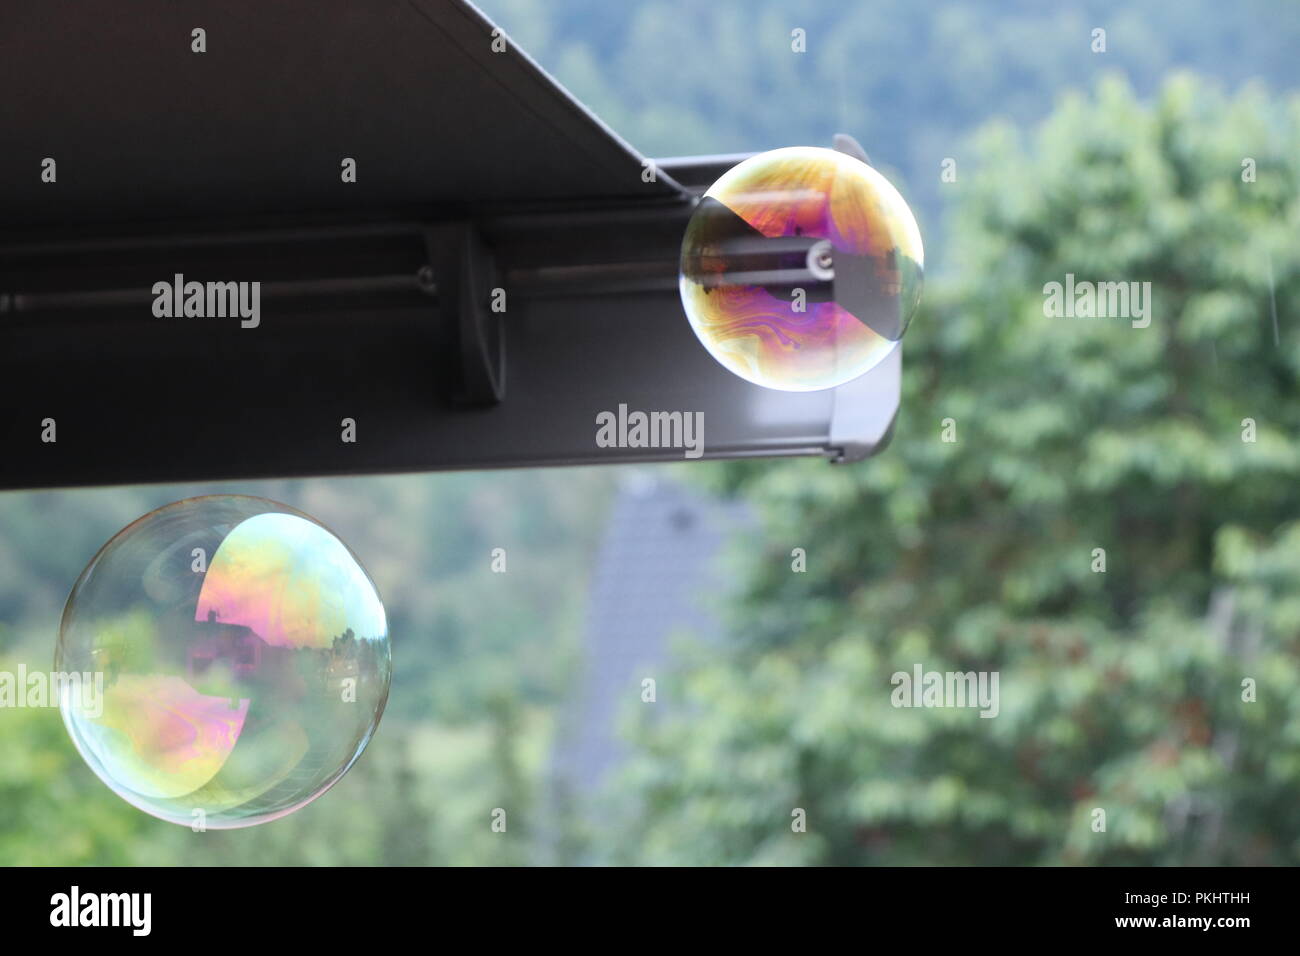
<point x="237" y="651"/>
<point x="234" y="644"/>
<point x="221" y="652"/>
<point x="223" y="657"/>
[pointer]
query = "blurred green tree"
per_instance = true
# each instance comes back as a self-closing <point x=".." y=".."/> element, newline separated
<point x="1121" y="690"/>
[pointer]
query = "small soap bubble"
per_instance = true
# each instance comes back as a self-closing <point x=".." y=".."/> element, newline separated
<point x="242" y="681"/>
<point x="801" y="269"/>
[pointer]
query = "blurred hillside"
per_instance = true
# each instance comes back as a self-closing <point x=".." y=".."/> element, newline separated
<point x="909" y="80"/>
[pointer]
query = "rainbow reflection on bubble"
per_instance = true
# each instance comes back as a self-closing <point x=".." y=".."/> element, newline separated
<point x="245" y="661"/>
<point x="801" y="268"/>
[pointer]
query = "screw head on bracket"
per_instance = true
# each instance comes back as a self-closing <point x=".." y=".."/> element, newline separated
<point x="801" y="268"/>
<point x="426" y="277"/>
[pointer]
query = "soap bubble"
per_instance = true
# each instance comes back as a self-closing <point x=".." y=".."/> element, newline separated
<point x="801" y="269"/>
<point x="244" y="657"/>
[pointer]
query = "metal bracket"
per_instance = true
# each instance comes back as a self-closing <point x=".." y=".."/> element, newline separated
<point x="463" y="275"/>
<point x="846" y="144"/>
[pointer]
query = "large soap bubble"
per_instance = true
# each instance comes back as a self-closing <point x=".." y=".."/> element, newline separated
<point x="801" y="269"/>
<point x="244" y="657"/>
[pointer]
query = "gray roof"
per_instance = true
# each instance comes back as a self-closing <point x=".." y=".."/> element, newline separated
<point x="657" y="577"/>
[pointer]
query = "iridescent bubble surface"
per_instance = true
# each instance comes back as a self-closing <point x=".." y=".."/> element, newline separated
<point x="801" y="268"/>
<point x="244" y="655"/>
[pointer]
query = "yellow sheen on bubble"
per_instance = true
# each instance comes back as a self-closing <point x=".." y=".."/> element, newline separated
<point x="244" y="658"/>
<point x="801" y="269"/>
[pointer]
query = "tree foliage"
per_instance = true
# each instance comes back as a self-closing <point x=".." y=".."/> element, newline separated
<point x="1121" y="690"/>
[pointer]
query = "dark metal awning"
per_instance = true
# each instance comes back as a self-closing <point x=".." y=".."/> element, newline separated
<point x="474" y="172"/>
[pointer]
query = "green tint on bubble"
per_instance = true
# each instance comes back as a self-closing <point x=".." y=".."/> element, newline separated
<point x="801" y="269"/>
<point x="244" y="655"/>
